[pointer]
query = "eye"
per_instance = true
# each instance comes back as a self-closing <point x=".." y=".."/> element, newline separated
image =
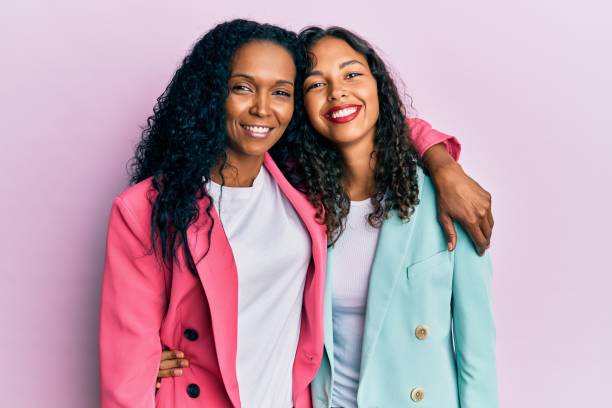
<point x="351" y="75"/>
<point x="282" y="93"/>
<point x="241" y="88"/>
<point x="314" y="86"/>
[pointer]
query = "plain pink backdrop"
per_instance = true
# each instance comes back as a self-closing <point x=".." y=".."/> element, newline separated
<point x="525" y="85"/>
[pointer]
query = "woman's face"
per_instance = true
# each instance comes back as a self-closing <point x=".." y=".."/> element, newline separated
<point x="260" y="102"/>
<point x="340" y="93"/>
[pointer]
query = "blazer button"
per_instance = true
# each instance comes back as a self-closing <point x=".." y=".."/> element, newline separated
<point x="417" y="394"/>
<point x="421" y="332"/>
<point x="190" y="334"/>
<point x="193" y="390"/>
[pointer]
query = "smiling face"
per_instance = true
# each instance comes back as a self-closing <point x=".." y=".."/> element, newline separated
<point x="260" y="102"/>
<point x="340" y="93"/>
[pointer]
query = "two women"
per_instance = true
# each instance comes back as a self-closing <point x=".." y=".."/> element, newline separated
<point x="215" y="253"/>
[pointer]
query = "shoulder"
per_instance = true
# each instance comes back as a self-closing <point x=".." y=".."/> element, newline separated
<point x="134" y="205"/>
<point x="427" y="195"/>
<point x="296" y="197"/>
<point x="299" y="201"/>
<point x="139" y="196"/>
<point x="424" y="221"/>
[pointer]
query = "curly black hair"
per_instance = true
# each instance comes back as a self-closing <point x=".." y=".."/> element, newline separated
<point x="396" y="160"/>
<point x="185" y="137"/>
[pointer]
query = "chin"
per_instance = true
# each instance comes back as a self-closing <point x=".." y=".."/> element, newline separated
<point x="257" y="150"/>
<point x="344" y="137"/>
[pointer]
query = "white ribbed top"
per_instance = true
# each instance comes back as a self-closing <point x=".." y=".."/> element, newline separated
<point x="352" y="262"/>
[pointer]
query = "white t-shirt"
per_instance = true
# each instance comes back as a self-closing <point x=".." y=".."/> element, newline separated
<point x="352" y="262"/>
<point x="272" y="250"/>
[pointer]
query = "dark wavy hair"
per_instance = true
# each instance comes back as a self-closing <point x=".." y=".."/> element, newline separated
<point x="185" y="137"/>
<point x="395" y="158"/>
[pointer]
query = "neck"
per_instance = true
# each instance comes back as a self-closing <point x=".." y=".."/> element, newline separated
<point x="239" y="171"/>
<point x="359" y="164"/>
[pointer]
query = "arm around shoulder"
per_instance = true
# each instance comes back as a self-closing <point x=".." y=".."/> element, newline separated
<point x="132" y="307"/>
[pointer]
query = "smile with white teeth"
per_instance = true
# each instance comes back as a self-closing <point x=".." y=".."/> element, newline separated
<point x="343" y="112"/>
<point x="261" y="130"/>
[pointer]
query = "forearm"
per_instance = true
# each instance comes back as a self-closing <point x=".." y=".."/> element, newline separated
<point x="437" y="158"/>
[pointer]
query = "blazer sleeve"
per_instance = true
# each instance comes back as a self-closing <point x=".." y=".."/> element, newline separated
<point x="132" y="307"/>
<point x="473" y="326"/>
<point x="424" y="136"/>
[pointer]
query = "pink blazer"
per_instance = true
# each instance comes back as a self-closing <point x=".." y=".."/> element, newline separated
<point x="201" y="317"/>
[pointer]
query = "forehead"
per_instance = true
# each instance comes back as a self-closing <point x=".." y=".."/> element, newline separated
<point x="264" y="59"/>
<point x="331" y="52"/>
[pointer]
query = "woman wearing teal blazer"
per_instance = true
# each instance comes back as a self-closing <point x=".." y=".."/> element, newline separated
<point x="422" y="333"/>
<point x="421" y="299"/>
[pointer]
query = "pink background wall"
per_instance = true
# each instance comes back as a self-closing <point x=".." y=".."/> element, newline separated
<point x="525" y="85"/>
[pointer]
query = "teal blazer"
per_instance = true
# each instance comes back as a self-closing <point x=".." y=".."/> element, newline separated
<point x="429" y="338"/>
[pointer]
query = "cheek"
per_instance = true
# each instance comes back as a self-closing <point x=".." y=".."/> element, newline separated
<point x="371" y="98"/>
<point x="312" y="108"/>
<point x="232" y="108"/>
<point x="288" y="113"/>
<point x="283" y="112"/>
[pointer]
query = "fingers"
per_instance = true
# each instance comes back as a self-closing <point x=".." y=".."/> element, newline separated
<point x="449" y="231"/>
<point x="478" y="238"/>
<point x="171" y="372"/>
<point x="490" y="216"/>
<point x="171" y="354"/>
<point x="174" y="363"/>
<point x="486" y="222"/>
<point x="487" y="230"/>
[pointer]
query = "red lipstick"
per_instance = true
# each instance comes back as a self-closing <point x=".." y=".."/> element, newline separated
<point x="342" y="113"/>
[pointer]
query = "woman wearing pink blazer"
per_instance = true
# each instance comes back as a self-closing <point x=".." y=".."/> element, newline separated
<point x="212" y="251"/>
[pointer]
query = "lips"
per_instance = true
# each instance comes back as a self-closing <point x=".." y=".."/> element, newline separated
<point x="257" y="131"/>
<point x="342" y="113"/>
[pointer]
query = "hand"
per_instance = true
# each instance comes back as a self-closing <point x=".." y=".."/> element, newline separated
<point x="460" y="198"/>
<point x="172" y="364"/>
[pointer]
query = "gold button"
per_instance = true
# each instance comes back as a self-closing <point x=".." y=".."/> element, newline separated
<point x="421" y="332"/>
<point x="417" y="394"/>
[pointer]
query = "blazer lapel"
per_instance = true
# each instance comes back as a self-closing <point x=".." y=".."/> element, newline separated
<point x="219" y="277"/>
<point x="393" y="244"/>
<point x="329" y="324"/>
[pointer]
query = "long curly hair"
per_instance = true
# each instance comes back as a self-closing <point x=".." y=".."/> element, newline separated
<point x="185" y="137"/>
<point x="396" y="160"/>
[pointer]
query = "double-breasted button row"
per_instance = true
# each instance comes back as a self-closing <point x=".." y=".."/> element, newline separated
<point x="417" y="394"/>
<point x="193" y="390"/>
<point x="421" y="332"/>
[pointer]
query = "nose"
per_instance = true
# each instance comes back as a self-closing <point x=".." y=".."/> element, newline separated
<point x="261" y="105"/>
<point x="335" y="92"/>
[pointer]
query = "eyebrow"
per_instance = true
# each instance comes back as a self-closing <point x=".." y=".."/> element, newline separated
<point x="251" y="78"/>
<point x="342" y="65"/>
